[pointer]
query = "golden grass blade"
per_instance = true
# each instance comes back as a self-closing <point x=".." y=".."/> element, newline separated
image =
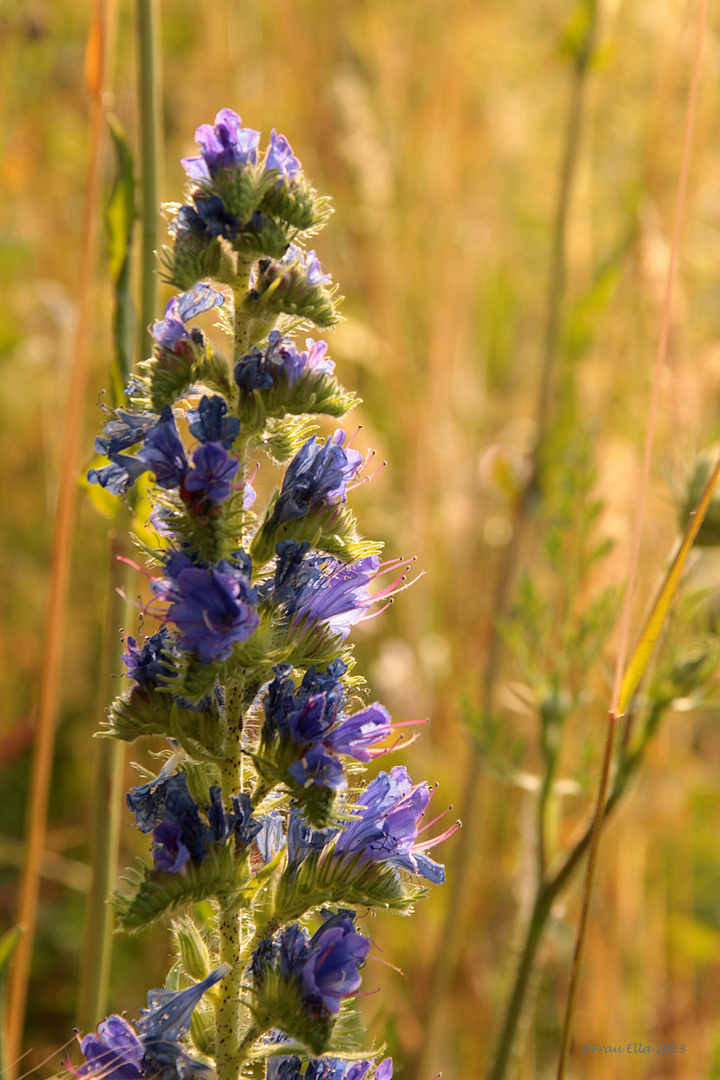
<point x="642" y="652"/>
<point x="64" y="525"/>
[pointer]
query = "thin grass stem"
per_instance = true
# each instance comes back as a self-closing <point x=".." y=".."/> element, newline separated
<point x="635" y="551"/>
<point x="61" y="557"/>
<point x="447" y="949"/>
<point x="105" y="814"/>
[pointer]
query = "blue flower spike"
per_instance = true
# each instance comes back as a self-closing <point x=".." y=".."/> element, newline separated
<point x="264" y="846"/>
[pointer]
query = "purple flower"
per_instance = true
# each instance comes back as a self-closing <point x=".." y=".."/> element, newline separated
<point x="124" y="431"/>
<point x="211" y="608"/>
<point x="114" y="1052"/>
<point x="169" y="1012"/>
<point x="163" y="453"/>
<point x="119" y="475"/>
<point x="330" y="972"/>
<point x="303" y="840"/>
<point x="148" y="665"/>
<point x="279" y="156"/>
<point x="386" y="828"/>
<point x="318" y="767"/>
<point x="308" y="723"/>
<point x="357" y="733"/>
<point x="261" y="369"/>
<point x="224" y="145"/>
<point x="308" y="263"/>
<point x="307" y="714"/>
<point x="317" y="474"/>
<point x="312" y="363"/>
<point x="290" y="1068"/>
<point x="187" y="224"/>
<point x="334" y="593"/>
<point x="212" y="473"/>
<point x="169" y="853"/>
<point x="170" y="330"/>
<point x="240" y="823"/>
<point x="314" y="270"/>
<point x="270" y="838"/>
<point x="163" y="1024"/>
<point x="215" y="217"/>
<point x="336" y="1069"/>
<point x="210" y="422"/>
<point x="249" y="495"/>
<point x="119" y="1051"/>
<point x="165" y="800"/>
<point x="325" y="966"/>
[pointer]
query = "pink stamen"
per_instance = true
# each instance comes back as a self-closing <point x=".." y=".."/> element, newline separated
<point x="380" y="960"/>
<point x="388" y="590"/>
<point x="140" y="569"/>
<point x="365" y="993"/>
<point x="352" y="438"/>
<point x="357" y="484"/>
<point x="144" y="609"/>
<point x="381" y="466"/>
<point x="400" y="741"/>
<point x="431" y="823"/>
<point x="438" y="839"/>
<point x="391" y="564"/>
<point x="374" y="615"/>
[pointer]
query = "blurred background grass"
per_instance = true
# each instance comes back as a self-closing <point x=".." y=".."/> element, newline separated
<point x="437" y="129"/>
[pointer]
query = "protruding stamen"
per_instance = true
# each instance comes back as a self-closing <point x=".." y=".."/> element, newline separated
<point x="438" y="839"/>
<point x="352" y="438"/>
<point x="431" y="823"/>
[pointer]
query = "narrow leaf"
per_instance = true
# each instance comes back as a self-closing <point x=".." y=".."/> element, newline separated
<point x="120" y="217"/>
<point x="7" y="947"/>
<point x="658" y="613"/>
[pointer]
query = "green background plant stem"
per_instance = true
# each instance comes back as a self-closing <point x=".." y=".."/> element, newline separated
<point x="150" y="161"/>
<point x="457" y="877"/>
<point x="672" y="579"/>
<point x="105" y="810"/>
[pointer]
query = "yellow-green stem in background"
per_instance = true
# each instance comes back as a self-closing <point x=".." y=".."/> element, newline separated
<point x="652" y="629"/>
<point x="150" y="161"/>
<point x="105" y="812"/>
<point x="452" y="928"/>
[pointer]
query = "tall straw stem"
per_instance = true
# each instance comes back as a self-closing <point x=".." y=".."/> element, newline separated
<point x="452" y="927"/>
<point x="61" y="557"/>
<point x="635" y="549"/>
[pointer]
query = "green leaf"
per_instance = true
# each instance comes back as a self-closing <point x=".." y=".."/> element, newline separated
<point x="120" y="217"/>
<point x="221" y="875"/>
<point x="343" y="880"/>
<point x="8" y="943"/>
